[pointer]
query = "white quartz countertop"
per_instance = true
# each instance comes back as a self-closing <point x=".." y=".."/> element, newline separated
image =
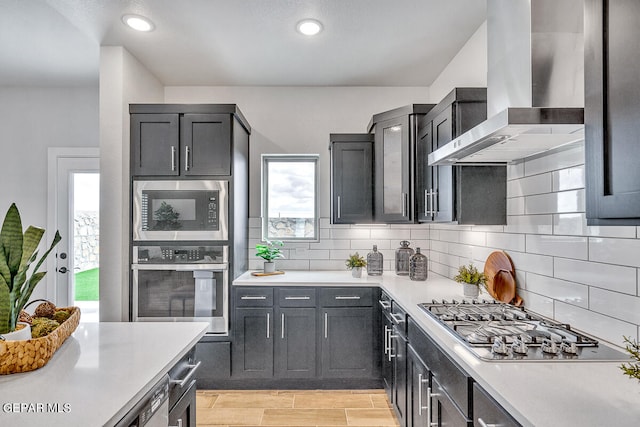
<point x="97" y="375"/>
<point x="535" y="393"/>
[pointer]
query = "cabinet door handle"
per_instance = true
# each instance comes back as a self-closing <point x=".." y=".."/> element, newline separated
<point x="268" y="328"/>
<point x="391" y="337"/>
<point x="253" y="297"/>
<point x="385" y="304"/>
<point x="397" y="317"/>
<point x="179" y="423"/>
<point x="305" y="297"/>
<point x="426" y="202"/>
<point x="420" y="394"/>
<point x="484" y="424"/>
<point x="173" y="158"/>
<point x="282" y="326"/>
<point x="339" y="208"/>
<point x="192" y="371"/>
<point x="429" y="406"/>
<point x="386" y="339"/>
<point x="433" y="202"/>
<point x="404" y="204"/>
<point x="347" y="297"/>
<point x="187" y="151"/>
<point x="326" y="325"/>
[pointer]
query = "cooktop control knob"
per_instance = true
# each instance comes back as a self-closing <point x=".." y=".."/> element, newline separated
<point x="549" y="346"/>
<point x="518" y="346"/>
<point x="569" y="347"/>
<point x="499" y="346"/>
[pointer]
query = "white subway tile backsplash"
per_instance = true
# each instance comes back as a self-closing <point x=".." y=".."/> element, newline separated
<point x="318" y="264"/>
<point x="342" y="254"/>
<point x="593" y="323"/>
<point x="562" y="202"/>
<point x="560" y="290"/>
<point x="515" y="170"/>
<point x="615" y="251"/>
<point x="568" y="157"/>
<point x="460" y="250"/>
<point x="421" y="233"/>
<point x="540" y="264"/>
<point x="536" y="224"/>
<point x="506" y="241"/>
<point x="440" y="268"/>
<point x="368" y="244"/>
<point x="606" y="276"/>
<point x="331" y="244"/>
<point x="568" y="179"/>
<point x="561" y="246"/>
<point x="536" y="184"/>
<point x="301" y="253"/>
<point x="292" y="264"/>
<point x="350" y="233"/>
<point x="537" y="303"/>
<point x="476" y="238"/>
<point x="391" y="233"/>
<point x="614" y="304"/>
<point x="515" y="206"/>
<point x="450" y="236"/>
<point x="439" y="246"/>
<point x="480" y="254"/>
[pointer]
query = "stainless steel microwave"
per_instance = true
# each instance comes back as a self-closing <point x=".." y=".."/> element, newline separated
<point x="180" y="210"/>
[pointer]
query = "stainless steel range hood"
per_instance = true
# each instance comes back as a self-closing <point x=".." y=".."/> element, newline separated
<point x="535" y="83"/>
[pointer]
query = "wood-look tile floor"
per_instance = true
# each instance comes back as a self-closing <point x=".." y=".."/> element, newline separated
<point x="294" y="408"/>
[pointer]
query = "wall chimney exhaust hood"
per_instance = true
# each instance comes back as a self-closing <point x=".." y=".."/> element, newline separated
<point x="535" y="83"/>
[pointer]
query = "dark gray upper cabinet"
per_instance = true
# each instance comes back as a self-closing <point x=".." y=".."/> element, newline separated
<point x="351" y="178"/>
<point x="154" y="144"/>
<point x="612" y="112"/>
<point x="466" y="194"/>
<point x="395" y="138"/>
<point x="183" y="139"/>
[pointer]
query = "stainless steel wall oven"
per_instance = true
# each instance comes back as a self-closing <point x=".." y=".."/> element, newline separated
<point x="181" y="283"/>
<point x="185" y="210"/>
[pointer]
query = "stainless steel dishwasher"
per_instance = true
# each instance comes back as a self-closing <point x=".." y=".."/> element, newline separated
<point x="152" y="410"/>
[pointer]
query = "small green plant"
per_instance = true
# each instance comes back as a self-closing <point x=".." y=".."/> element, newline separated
<point x="632" y="370"/>
<point x="470" y="274"/>
<point x="270" y="250"/>
<point x="18" y="251"/>
<point x="354" y="261"/>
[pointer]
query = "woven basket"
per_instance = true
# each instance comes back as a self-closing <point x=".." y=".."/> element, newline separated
<point x="27" y="355"/>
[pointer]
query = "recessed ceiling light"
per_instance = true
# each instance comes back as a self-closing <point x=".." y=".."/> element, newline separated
<point x="138" y="23"/>
<point x="309" y="27"/>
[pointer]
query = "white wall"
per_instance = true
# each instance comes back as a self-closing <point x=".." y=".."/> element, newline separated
<point x="467" y="69"/>
<point x="299" y="120"/>
<point x="32" y="119"/>
<point x="123" y="80"/>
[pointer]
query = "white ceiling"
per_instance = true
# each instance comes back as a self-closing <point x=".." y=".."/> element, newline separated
<point x="238" y="42"/>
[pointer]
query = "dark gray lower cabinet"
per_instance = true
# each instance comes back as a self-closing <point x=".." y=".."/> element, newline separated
<point x="443" y="411"/>
<point x="418" y="385"/>
<point x="387" y="364"/>
<point x="399" y="389"/>
<point x="215" y="358"/>
<point x="487" y="412"/>
<point x="295" y="343"/>
<point x="253" y="344"/>
<point x="183" y="413"/>
<point x="347" y="342"/>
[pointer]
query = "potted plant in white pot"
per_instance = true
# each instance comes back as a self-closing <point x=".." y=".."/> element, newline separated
<point x="269" y="251"/>
<point x="355" y="263"/>
<point x="18" y="251"/>
<point x="471" y="280"/>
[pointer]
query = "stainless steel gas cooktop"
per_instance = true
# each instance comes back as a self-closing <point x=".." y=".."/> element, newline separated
<point x="501" y="332"/>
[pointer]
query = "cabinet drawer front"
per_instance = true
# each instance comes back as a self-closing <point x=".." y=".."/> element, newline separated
<point x="489" y="411"/>
<point x="297" y="297"/>
<point x="453" y="380"/>
<point x="346" y="297"/>
<point x="254" y="297"/>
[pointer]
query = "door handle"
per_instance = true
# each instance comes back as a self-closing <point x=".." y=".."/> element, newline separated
<point x="192" y="371"/>
<point x="397" y="317"/>
<point x="251" y="297"/>
<point x="404" y="204"/>
<point x="339" y="208"/>
<point x="326" y="325"/>
<point x="282" y="327"/>
<point x="187" y="151"/>
<point x="62" y="270"/>
<point x="268" y="329"/>
<point x="173" y="158"/>
<point x="305" y="297"/>
<point x="339" y="297"/>
<point x="179" y="423"/>
<point x="426" y="202"/>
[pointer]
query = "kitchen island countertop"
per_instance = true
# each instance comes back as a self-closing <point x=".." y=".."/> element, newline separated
<point x="97" y="375"/>
<point x="536" y="393"/>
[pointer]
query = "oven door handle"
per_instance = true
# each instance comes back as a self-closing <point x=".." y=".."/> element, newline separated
<point x="187" y="378"/>
<point x="180" y="267"/>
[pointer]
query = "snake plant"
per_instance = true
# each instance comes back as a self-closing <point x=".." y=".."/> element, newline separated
<point x="17" y="252"/>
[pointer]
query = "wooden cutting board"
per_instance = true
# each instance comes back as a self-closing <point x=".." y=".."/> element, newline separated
<point x="261" y="273"/>
<point x="500" y="276"/>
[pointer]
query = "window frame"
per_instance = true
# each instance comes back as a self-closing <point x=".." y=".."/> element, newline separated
<point x="264" y="208"/>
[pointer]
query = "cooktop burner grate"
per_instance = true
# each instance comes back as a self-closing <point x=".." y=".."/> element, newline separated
<point x="498" y="331"/>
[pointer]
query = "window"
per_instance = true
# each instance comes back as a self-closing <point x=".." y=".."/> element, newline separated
<point x="290" y="197"/>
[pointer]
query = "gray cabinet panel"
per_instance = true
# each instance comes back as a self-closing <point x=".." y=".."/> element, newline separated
<point x="418" y="382"/>
<point x="295" y="343"/>
<point x="155" y="144"/>
<point x="612" y="112"/>
<point x="488" y="411"/>
<point x="399" y="389"/>
<point x="351" y="178"/>
<point x="347" y="342"/>
<point x="206" y="144"/>
<point x="253" y="346"/>
<point x="216" y="361"/>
